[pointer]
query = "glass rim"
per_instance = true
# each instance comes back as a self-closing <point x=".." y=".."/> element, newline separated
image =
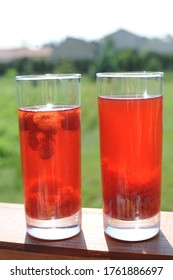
<point x="62" y="76"/>
<point x="138" y="74"/>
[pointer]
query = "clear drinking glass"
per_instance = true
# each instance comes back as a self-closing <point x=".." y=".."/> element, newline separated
<point x="49" y="116"/>
<point x="130" y="122"/>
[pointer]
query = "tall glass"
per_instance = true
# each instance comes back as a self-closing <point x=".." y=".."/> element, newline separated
<point x="50" y="144"/>
<point x="130" y="122"/>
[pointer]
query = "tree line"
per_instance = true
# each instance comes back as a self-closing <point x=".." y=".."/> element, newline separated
<point x="108" y="59"/>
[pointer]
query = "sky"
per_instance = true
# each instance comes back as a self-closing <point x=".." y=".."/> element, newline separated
<point x="33" y="23"/>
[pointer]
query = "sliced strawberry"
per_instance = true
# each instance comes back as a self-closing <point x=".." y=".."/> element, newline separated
<point x="47" y="122"/>
<point x="71" y="120"/>
<point x="34" y="138"/>
<point x="41" y="197"/>
<point x="68" y="202"/>
<point x="47" y="199"/>
<point x="26" y="120"/>
<point x="129" y="197"/>
<point x="45" y="147"/>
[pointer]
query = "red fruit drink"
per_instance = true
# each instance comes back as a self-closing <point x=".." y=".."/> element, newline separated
<point x="131" y="156"/>
<point x="50" y="156"/>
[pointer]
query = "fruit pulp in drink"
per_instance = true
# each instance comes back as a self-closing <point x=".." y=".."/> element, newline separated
<point x="131" y="155"/>
<point x="50" y="159"/>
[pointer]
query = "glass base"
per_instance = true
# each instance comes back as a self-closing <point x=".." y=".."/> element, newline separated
<point x="137" y="230"/>
<point x="54" y="229"/>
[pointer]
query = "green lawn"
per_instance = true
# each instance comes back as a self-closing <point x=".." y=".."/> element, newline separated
<point x="10" y="173"/>
<point x="167" y="171"/>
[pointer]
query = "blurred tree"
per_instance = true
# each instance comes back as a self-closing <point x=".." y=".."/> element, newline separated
<point x="65" y="66"/>
<point x="128" y="60"/>
<point x="106" y="59"/>
<point x="167" y="61"/>
<point x="151" y="61"/>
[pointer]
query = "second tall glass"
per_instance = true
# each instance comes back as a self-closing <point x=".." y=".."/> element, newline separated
<point x="50" y="143"/>
<point x="130" y="121"/>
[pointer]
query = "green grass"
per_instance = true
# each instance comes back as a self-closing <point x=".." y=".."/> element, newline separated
<point x="10" y="172"/>
<point x="10" y="178"/>
<point x="167" y="171"/>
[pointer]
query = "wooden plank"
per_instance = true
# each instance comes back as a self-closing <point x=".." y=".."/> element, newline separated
<point x="91" y="243"/>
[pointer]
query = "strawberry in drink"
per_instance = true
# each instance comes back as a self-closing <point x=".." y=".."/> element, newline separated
<point x="50" y="157"/>
<point x="131" y="155"/>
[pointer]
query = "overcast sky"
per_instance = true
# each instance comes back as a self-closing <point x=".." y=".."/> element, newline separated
<point x="32" y="23"/>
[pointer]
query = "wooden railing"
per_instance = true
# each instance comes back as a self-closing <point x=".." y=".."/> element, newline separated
<point x="90" y="243"/>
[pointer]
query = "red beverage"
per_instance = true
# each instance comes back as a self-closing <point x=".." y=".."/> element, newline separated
<point x="131" y="156"/>
<point x="50" y="157"/>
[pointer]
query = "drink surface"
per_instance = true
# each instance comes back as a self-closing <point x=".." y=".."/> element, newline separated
<point x="131" y="155"/>
<point x="50" y="158"/>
